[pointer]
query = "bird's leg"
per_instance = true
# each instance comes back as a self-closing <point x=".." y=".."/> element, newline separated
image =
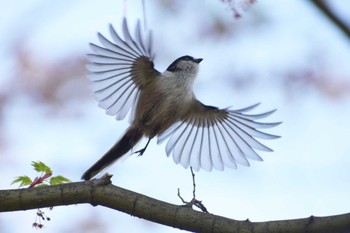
<point x="140" y="152"/>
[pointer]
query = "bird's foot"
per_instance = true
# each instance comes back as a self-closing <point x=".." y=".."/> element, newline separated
<point x="140" y="152"/>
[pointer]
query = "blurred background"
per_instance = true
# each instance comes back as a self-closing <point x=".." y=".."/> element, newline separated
<point x="285" y="54"/>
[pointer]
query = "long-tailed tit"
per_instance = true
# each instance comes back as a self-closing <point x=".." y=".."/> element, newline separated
<point x="124" y="79"/>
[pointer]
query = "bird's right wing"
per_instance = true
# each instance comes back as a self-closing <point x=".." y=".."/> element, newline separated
<point x="119" y="69"/>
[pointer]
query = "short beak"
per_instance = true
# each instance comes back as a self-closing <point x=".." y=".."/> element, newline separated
<point x="198" y="60"/>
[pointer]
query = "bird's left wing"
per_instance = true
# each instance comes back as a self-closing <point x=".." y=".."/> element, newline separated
<point x="208" y="137"/>
<point x="119" y="69"/>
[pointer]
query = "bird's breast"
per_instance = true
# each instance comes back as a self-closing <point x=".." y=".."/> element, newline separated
<point x="161" y="106"/>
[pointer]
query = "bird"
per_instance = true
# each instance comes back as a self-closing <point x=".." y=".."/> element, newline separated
<point x="163" y="105"/>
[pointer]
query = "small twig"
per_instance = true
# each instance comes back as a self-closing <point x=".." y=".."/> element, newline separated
<point x="144" y="15"/>
<point x="194" y="183"/>
<point x="200" y="205"/>
<point x="183" y="201"/>
<point x="194" y="201"/>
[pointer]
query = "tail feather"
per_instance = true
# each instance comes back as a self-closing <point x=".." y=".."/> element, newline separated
<point x="126" y="143"/>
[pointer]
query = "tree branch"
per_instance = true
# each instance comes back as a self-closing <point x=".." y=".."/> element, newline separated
<point x="102" y="192"/>
<point x="323" y="7"/>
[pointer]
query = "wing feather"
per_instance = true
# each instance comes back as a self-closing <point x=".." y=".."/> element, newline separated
<point x="206" y="162"/>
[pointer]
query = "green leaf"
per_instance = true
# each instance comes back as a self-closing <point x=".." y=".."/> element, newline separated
<point x="58" y="180"/>
<point x="23" y="180"/>
<point x="41" y="167"/>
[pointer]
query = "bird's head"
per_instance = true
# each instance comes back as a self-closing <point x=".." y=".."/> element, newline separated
<point x="185" y="65"/>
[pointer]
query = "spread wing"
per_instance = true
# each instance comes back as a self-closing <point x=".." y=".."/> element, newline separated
<point x="119" y="69"/>
<point x="209" y="137"/>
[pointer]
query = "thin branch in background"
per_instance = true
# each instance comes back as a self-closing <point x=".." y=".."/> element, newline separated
<point x="238" y="6"/>
<point x="144" y="15"/>
<point x="325" y="9"/>
<point x="124" y="8"/>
